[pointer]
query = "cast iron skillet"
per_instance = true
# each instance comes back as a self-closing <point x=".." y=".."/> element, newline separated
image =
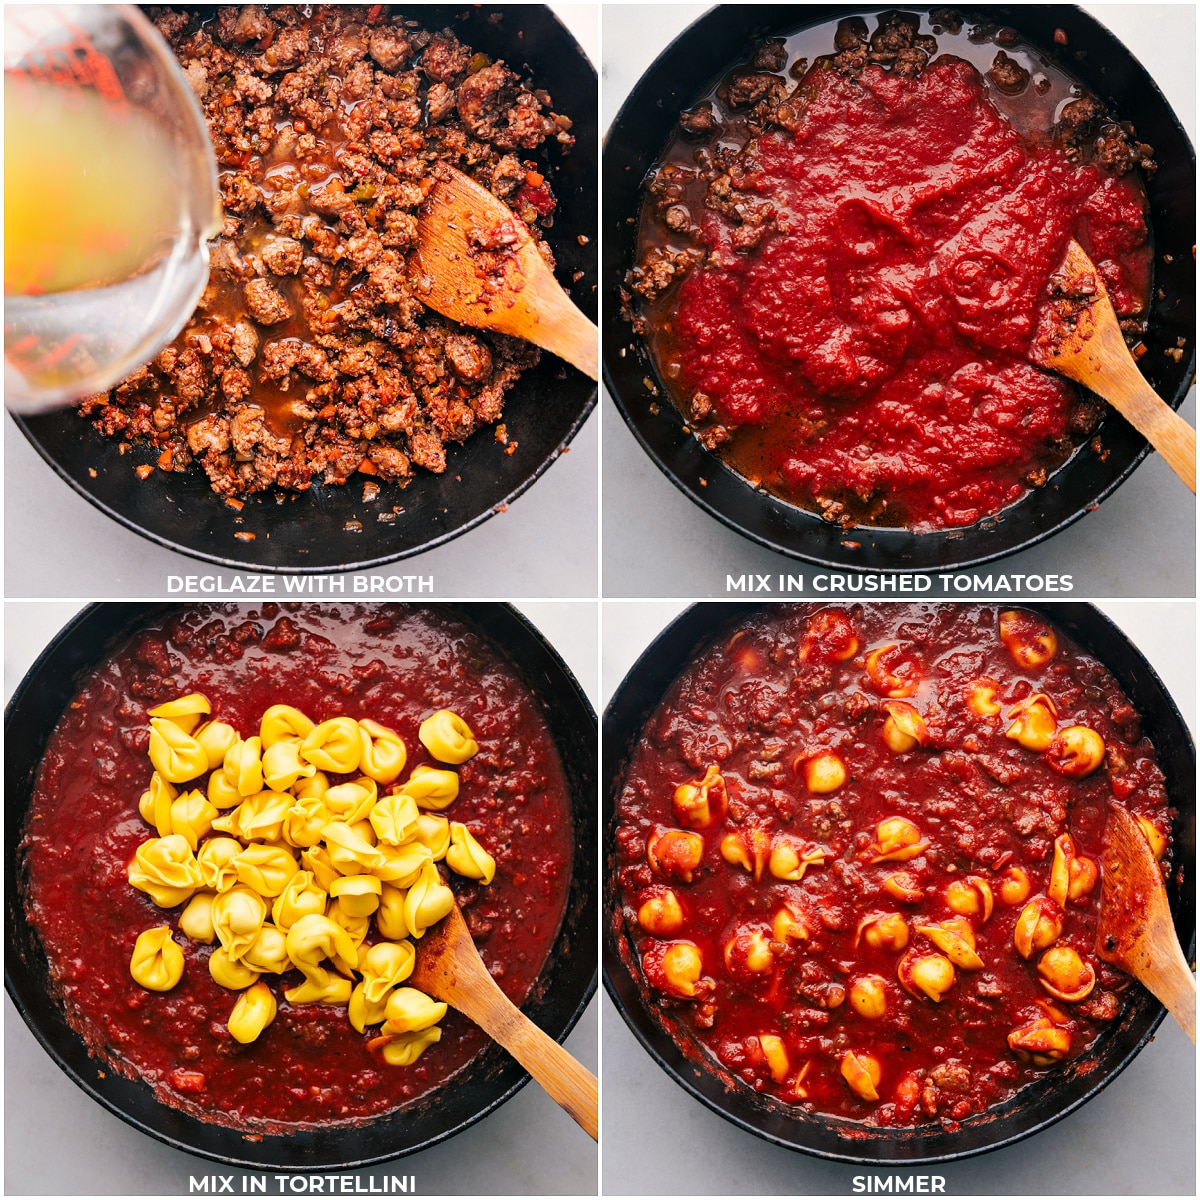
<point x="567" y="982"/>
<point x="687" y="70"/>
<point x="306" y="532"/>
<point x="825" y="1137"/>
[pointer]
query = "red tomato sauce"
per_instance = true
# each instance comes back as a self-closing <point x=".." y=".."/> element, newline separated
<point x="392" y="664"/>
<point x="869" y="355"/>
<point x="790" y="686"/>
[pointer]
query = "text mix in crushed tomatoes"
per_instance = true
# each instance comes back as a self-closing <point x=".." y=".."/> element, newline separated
<point x="242" y="827"/>
<point x="858" y="855"/>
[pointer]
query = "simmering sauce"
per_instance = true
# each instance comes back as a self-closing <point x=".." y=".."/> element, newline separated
<point x="857" y="856"/>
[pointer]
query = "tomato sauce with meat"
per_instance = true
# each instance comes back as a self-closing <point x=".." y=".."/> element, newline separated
<point x="866" y="257"/>
<point x="826" y="801"/>
<point x="390" y="663"/>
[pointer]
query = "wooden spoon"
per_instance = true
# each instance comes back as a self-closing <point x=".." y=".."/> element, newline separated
<point x="1086" y="345"/>
<point x="449" y="969"/>
<point x="477" y="264"/>
<point x="1136" y="931"/>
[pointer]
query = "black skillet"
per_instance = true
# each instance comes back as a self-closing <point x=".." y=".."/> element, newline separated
<point x="687" y="70"/>
<point x="563" y="990"/>
<point x="307" y="532"/>
<point x="1031" y="1111"/>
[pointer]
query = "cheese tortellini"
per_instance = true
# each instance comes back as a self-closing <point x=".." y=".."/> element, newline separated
<point x="467" y="856"/>
<point x="383" y="752"/>
<point x="176" y="755"/>
<point x="334" y="745"/>
<point x="187" y="712"/>
<point x="166" y="870"/>
<point x="448" y="737"/>
<point x="254" y="1011"/>
<point x="157" y="961"/>
<point x="288" y="848"/>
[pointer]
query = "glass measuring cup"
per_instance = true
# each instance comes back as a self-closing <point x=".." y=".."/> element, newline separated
<point x="110" y="197"/>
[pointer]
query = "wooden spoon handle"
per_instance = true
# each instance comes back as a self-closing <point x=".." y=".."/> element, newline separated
<point x="1172" y="981"/>
<point x="476" y="995"/>
<point x="565" y="1081"/>
<point x="1155" y="420"/>
<point x="563" y="330"/>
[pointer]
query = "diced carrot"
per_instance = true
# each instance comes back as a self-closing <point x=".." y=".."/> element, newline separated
<point x="534" y="179"/>
<point x="367" y="467"/>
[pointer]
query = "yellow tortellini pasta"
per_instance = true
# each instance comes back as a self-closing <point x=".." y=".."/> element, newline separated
<point x="404" y="1050"/>
<point x="448" y="737"/>
<point x="410" y="1010"/>
<point x="186" y="712"/>
<point x="215" y="859"/>
<point x="314" y="938"/>
<point x="427" y="902"/>
<point x="230" y="972"/>
<point x="357" y="894"/>
<point x="434" y="834"/>
<point x="394" y="819"/>
<point x="258" y="818"/>
<point x="362" y="1011"/>
<point x="401" y="865"/>
<point x="157" y="961"/>
<point x="266" y="869"/>
<point x="365" y="830"/>
<point x="314" y="788"/>
<point x="155" y="804"/>
<point x="282" y="765"/>
<point x="300" y="897"/>
<point x="176" y="755"/>
<point x="281" y="723"/>
<point x="356" y="927"/>
<point x="221" y="792"/>
<point x="196" y="921"/>
<point x="383" y="752"/>
<point x="349" y="852"/>
<point x="229" y="849"/>
<point x="389" y="916"/>
<point x="268" y="951"/>
<point x="192" y="817"/>
<point x="254" y="1011"/>
<point x="166" y="870"/>
<point x="316" y="860"/>
<point x="216" y="737"/>
<point x="432" y="787"/>
<point x="467" y="856"/>
<point x="351" y="802"/>
<point x="305" y="822"/>
<point x="243" y="766"/>
<point x="321" y="987"/>
<point x="334" y="745"/>
<point x="384" y="966"/>
<point x="238" y="915"/>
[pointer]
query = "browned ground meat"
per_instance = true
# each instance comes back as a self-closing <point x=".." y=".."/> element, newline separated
<point x="309" y="356"/>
